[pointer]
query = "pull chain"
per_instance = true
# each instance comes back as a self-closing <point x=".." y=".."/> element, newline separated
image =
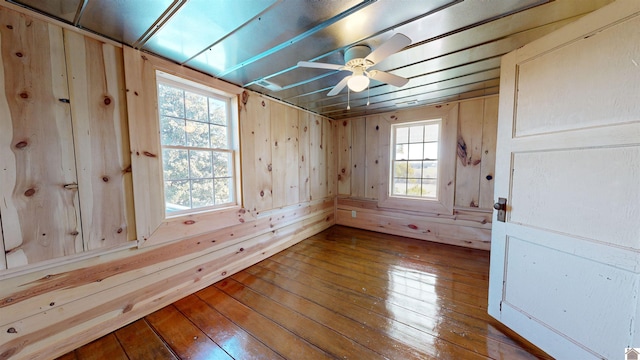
<point x="368" y="95"/>
<point x="348" y="94"/>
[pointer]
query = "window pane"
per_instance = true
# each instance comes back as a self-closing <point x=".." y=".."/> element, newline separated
<point x="223" y="190"/>
<point x="414" y="187"/>
<point x="429" y="188"/>
<point x="221" y="164"/>
<point x="415" y="169"/>
<point x="219" y="137"/>
<point x="400" y="169"/>
<point x="415" y="160"/>
<point x="171" y="101"/>
<point x="202" y="192"/>
<point x="176" y="194"/>
<point x="197" y="134"/>
<point x="399" y="186"/>
<point x="217" y="111"/>
<point x="429" y="169"/>
<point x="431" y="151"/>
<point x="175" y="164"/>
<point x="415" y="151"/>
<point x="431" y="132"/>
<point x="200" y="164"/>
<point x="193" y="122"/>
<point x="402" y="135"/>
<point x="416" y="134"/>
<point x="172" y="131"/>
<point x="196" y="106"/>
<point x="402" y="152"/>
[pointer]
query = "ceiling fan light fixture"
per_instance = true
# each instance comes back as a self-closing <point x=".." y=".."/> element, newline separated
<point x="358" y="83"/>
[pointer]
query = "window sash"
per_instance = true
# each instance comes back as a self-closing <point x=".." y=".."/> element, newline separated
<point x="188" y="87"/>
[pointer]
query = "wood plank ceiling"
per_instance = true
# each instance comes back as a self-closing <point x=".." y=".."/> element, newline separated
<point x="454" y="53"/>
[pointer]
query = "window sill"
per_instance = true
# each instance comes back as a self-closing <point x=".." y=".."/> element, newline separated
<point x="188" y="225"/>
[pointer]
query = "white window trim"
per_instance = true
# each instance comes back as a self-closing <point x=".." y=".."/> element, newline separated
<point x="393" y="146"/>
<point x="448" y="114"/>
<point x="232" y="125"/>
<point x="152" y="225"/>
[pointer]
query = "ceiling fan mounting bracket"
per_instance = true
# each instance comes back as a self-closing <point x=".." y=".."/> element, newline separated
<point x="356" y="52"/>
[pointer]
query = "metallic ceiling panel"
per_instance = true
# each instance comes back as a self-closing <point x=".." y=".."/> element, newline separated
<point x="465" y="91"/>
<point x="414" y="94"/>
<point x="374" y="18"/>
<point x="418" y="82"/>
<point x="123" y="21"/>
<point x="383" y="18"/>
<point x="62" y="9"/>
<point x="281" y="23"/>
<point x="201" y="23"/>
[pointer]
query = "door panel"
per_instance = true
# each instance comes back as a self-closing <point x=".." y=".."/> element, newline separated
<point x="564" y="266"/>
<point x="559" y="183"/>
<point x="574" y="83"/>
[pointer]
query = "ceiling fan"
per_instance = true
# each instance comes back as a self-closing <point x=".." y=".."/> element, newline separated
<point x="358" y="59"/>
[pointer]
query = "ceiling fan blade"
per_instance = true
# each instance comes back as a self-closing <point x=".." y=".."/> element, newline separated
<point x="336" y="89"/>
<point x="396" y="43"/>
<point x="317" y="65"/>
<point x="390" y="79"/>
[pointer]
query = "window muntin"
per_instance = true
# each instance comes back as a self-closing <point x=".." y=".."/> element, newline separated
<point x="414" y="159"/>
<point x="196" y="136"/>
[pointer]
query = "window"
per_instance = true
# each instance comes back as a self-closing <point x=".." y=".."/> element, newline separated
<point x="420" y="153"/>
<point x="414" y="164"/>
<point x="197" y="140"/>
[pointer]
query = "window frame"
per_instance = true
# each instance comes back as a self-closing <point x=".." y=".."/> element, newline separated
<point x="232" y="138"/>
<point x="393" y="161"/>
<point x="443" y="204"/>
<point x="153" y="226"/>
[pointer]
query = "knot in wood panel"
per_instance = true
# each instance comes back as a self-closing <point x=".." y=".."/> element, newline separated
<point x="21" y="145"/>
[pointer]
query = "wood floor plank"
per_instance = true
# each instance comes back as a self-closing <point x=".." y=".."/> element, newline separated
<point x="229" y="336"/>
<point x="140" y="342"/>
<point x="278" y="338"/>
<point x="407" y="324"/>
<point x="315" y="333"/>
<point x="106" y="347"/>
<point x="68" y="356"/>
<point x="337" y="315"/>
<point x="343" y="293"/>
<point x="466" y="294"/>
<point x="186" y="340"/>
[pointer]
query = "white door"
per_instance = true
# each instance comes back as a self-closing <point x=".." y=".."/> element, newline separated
<point x="565" y="266"/>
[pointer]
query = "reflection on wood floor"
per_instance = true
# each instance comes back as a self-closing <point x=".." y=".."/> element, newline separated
<point x="344" y="293"/>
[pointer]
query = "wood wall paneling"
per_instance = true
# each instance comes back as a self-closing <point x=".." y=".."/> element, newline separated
<point x="40" y="210"/>
<point x="469" y="150"/>
<point x="465" y="225"/>
<point x="358" y="157"/>
<point x="284" y="150"/>
<point x="101" y="140"/>
<point x="256" y="129"/>
<point x="318" y="157"/>
<point x="372" y="157"/>
<point x="144" y="127"/>
<point x="88" y="317"/>
<point x="304" y="124"/>
<point x="488" y="159"/>
<point x="343" y="143"/>
<point x="332" y="161"/>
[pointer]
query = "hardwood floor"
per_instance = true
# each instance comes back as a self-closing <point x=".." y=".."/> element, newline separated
<point x="344" y="293"/>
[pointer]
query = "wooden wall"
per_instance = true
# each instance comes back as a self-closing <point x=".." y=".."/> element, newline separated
<point x="359" y="178"/>
<point x="75" y="272"/>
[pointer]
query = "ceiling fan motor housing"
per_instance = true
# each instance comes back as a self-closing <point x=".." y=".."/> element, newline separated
<point x="355" y="56"/>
